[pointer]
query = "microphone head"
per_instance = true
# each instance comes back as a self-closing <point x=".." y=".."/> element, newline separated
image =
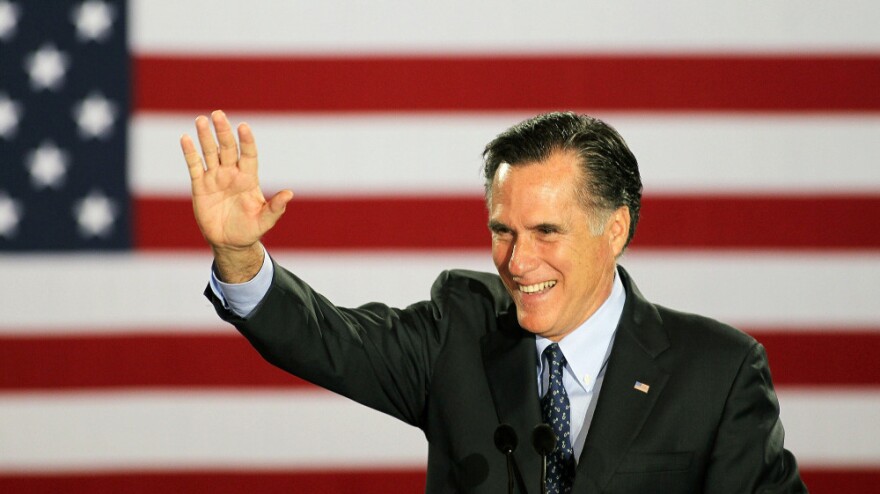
<point x="543" y="439"/>
<point x="505" y="439"/>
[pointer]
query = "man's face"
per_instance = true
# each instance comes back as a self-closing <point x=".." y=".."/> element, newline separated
<point x="556" y="270"/>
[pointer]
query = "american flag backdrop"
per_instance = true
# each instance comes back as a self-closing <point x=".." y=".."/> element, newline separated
<point x="756" y="126"/>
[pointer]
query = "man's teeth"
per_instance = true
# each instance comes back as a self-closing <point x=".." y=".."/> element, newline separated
<point x="537" y="287"/>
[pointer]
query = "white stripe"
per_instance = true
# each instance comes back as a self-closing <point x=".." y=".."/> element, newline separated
<point x="185" y="430"/>
<point x="772" y="289"/>
<point x="162" y="292"/>
<point x="755" y="153"/>
<point x="321" y="154"/>
<point x="827" y="427"/>
<point x="497" y="26"/>
<point x="440" y="153"/>
<point x="302" y="429"/>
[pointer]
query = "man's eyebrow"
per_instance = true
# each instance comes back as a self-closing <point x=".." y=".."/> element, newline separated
<point x="550" y="227"/>
<point x="497" y="226"/>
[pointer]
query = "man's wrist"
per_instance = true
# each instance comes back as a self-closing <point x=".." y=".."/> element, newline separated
<point x="238" y="265"/>
<point x="243" y="298"/>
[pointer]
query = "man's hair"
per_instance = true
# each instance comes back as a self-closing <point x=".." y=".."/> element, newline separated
<point x="610" y="173"/>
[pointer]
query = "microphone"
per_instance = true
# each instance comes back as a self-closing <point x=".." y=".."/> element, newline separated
<point x="505" y="441"/>
<point x="544" y="442"/>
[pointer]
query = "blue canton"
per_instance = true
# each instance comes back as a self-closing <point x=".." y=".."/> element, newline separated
<point x="64" y="105"/>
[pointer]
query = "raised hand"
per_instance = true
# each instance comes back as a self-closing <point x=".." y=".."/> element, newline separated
<point x="230" y="209"/>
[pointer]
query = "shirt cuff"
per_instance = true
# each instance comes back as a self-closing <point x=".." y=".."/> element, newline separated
<point x="242" y="298"/>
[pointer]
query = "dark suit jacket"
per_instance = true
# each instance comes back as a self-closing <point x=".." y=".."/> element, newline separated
<point x="458" y="365"/>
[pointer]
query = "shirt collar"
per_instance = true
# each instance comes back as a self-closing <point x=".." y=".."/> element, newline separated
<point x="586" y="348"/>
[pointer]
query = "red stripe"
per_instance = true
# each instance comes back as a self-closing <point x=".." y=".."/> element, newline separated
<point x="436" y="223"/>
<point x="221" y="482"/>
<point x="760" y="222"/>
<point x="158" y="360"/>
<point x="808" y="357"/>
<point x="350" y="223"/>
<point x="839" y="480"/>
<point x="818" y="480"/>
<point x="817" y="358"/>
<point x="533" y="83"/>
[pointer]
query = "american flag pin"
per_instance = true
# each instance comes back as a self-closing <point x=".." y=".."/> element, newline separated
<point x="640" y="386"/>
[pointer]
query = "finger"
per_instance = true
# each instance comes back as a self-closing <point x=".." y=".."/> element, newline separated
<point x="193" y="158"/>
<point x="228" y="147"/>
<point x="277" y="206"/>
<point x="278" y="202"/>
<point x="207" y="142"/>
<point x="248" y="160"/>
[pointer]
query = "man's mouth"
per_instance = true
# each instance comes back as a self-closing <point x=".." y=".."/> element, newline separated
<point x="537" y="287"/>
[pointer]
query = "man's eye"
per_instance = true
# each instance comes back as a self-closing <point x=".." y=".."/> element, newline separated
<point x="498" y="229"/>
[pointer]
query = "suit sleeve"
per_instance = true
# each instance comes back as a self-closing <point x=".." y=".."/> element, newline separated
<point x="374" y="354"/>
<point x="748" y="455"/>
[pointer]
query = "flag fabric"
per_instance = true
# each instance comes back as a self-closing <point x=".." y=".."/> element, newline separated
<point x="63" y="126"/>
<point x="756" y="126"/>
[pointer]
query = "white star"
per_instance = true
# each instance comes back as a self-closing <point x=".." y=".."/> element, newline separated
<point x="93" y="20"/>
<point x="10" y="215"/>
<point x="10" y="114"/>
<point x="95" y="116"/>
<point x="9" y="13"/>
<point x="95" y="215"/>
<point x="48" y="166"/>
<point x="47" y="67"/>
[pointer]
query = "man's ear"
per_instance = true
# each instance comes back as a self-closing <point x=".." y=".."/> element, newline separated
<point x="617" y="229"/>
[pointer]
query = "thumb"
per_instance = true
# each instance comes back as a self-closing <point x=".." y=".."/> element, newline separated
<point x="278" y="203"/>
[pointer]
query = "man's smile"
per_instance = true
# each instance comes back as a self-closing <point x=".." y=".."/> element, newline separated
<point x="536" y="287"/>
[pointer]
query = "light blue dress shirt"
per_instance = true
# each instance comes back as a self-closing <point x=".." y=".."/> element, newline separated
<point x="242" y="298"/>
<point x="586" y="349"/>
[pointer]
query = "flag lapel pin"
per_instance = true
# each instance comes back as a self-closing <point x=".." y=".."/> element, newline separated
<point x="640" y="386"/>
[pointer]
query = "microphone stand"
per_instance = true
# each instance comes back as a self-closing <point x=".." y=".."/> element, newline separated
<point x="543" y="474"/>
<point x="506" y="441"/>
<point x="544" y="442"/>
<point x="510" y="473"/>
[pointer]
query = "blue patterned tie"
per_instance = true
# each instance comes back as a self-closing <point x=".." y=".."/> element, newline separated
<point x="557" y="414"/>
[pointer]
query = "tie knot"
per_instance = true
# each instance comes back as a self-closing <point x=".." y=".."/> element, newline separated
<point x="554" y="357"/>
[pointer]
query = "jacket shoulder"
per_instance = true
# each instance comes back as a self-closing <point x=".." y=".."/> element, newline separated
<point x="704" y="333"/>
<point x="454" y="285"/>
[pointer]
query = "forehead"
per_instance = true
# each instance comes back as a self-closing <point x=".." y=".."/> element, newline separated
<point x="557" y="176"/>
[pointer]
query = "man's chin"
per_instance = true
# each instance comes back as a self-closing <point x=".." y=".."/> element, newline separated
<point x="531" y="324"/>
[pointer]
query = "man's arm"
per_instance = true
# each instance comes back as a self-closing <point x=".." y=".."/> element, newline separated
<point x="376" y="355"/>
<point x="748" y="455"/>
<point x="229" y="206"/>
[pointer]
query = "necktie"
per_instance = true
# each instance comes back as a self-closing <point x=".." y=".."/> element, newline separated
<point x="557" y="414"/>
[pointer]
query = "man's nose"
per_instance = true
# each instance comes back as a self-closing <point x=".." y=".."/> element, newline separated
<point x="523" y="258"/>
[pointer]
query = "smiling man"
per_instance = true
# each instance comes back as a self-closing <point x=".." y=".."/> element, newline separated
<point x="640" y="398"/>
<point x="555" y="256"/>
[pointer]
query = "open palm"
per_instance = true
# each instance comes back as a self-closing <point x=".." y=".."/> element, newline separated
<point x="229" y="206"/>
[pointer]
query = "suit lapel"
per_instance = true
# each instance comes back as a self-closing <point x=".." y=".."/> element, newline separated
<point x="509" y="361"/>
<point x="622" y="410"/>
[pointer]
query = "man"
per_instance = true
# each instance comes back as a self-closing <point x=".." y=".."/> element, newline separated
<point x="640" y="398"/>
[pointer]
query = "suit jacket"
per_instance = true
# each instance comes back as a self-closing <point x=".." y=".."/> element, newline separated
<point x="458" y="365"/>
